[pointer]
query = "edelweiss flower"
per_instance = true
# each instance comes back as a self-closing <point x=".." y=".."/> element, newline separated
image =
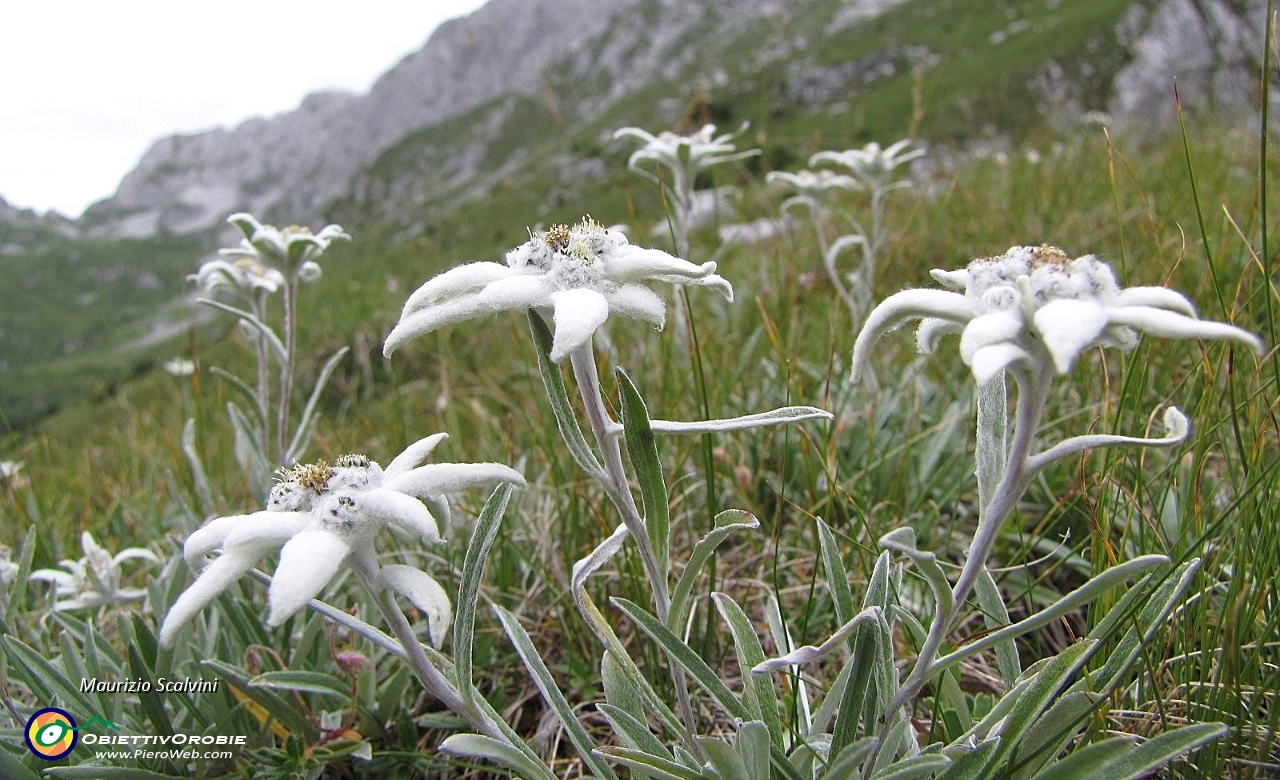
<point x="1036" y="307"/>
<point x="10" y="468"/>
<point x="180" y="367"/>
<point x="871" y="164"/>
<point x="583" y="273"/>
<point x="94" y="580"/>
<point x="813" y="184"/>
<point x="291" y="251"/>
<point x="244" y="275"/>
<point x="684" y="153"/>
<point x="8" y="569"/>
<point x="319" y="517"/>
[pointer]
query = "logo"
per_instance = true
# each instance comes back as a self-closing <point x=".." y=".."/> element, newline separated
<point x="51" y="733"/>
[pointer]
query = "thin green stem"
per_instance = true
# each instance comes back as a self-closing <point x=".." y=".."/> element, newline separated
<point x="1264" y="133"/>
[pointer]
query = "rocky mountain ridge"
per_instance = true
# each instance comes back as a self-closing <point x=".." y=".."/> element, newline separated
<point x="293" y="165"/>
<point x="296" y="162"/>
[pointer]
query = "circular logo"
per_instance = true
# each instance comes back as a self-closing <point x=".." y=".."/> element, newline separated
<point x="51" y="733"/>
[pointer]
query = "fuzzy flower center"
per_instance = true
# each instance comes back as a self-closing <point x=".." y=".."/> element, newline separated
<point x="1031" y="277"/>
<point x="310" y="476"/>
<point x="571" y="256"/>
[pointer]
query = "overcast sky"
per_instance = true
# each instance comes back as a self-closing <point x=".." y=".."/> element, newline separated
<point x="87" y="85"/>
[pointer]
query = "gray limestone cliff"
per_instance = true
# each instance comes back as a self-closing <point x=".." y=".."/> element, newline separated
<point x="289" y="166"/>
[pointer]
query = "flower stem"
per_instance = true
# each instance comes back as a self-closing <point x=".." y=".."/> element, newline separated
<point x="286" y="370"/>
<point x="431" y="678"/>
<point x="585" y="373"/>
<point x="588" y="379"/>
<point x="1033" y="391"/>
<point x="264" y="367"/>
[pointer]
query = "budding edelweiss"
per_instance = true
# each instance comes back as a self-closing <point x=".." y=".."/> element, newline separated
<point x="291" y="251"/>
<point x="1036" y="307"/>
<point x="96" y="579"/>
<point x="321" y="516"/>
<point x="581" y="273"/>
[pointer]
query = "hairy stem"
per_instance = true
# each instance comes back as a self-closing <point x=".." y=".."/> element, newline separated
<point x="1033" y="391"/>
<point x="264" y="368"/>
<point x="588" y="379"/>
<point x="431" y="678"/>
<point x="286" y="370"/>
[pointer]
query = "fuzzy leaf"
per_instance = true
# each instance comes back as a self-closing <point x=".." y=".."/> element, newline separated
<point x="973" y="764"/>
<point x="837" y="575"/>
<point x="302" y="681"/>
<point x="916" y="766"/>
<point x="650" y="765"/>
<point x="746" y="646"/>
<point x="643" y="451"/>
<point x="485" y="748"/>
<point x="1160" y="750"/>
<point x="1111" y="578"/>
<point x="680" y="653"/>
<point x="787" y="415"/>
<point x="473" y="565"/>
<point x="995" y="615"/>
<point x="724" y="759"/>
<point x="634" y="732"/>
<point x="726" y="522"/>
<point x="1042" y="691"/>
<point x="546" y="683"/>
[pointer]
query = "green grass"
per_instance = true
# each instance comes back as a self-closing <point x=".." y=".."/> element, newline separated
<point x="896" y="457"/>
<point x="900" y="456"/>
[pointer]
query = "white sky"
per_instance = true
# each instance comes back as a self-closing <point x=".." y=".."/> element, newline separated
<point x="87" y="85"/>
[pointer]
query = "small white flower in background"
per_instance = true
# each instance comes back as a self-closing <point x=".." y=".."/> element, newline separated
<point x="321" y="516"/>
<point x="814" y="184"/>
<point x="582" y="273"/>
<point x="180" y="367"/>
<point x="94" y="580"/>
<point x="684" y="154"/>
<point x="243" y="275"/>
<point x="9" y="469"/>
<point x="8" y="569"/>
<point x="1035" y="307"/>
<point x="871" y="165"/>
<point x="291" y="251"/>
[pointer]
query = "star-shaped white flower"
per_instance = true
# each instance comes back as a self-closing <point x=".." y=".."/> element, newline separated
<point x="243" y="275"/>
<point x="9" y="469"/>
<point x="94" y="580"/>
<point x="321" y="516"/>
<point x="8" y="569"/>
<point x="870" y="164"/>
<point x="689" y="154"/>
<point x="291" y="251"/>
<point x="813" y="184"/>
<point x="1035" y="306"/>
<point x="583" y="274"/>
